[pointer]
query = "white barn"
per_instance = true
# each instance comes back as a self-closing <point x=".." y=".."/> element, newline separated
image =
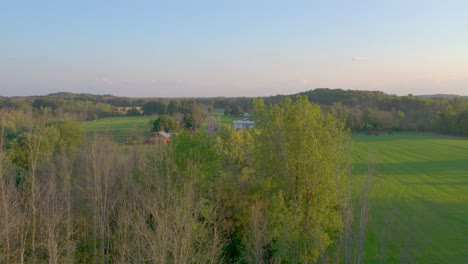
<point x="244" y="123"/>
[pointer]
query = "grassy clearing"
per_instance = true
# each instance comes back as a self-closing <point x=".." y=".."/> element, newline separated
<point x="419" y="200"/>
<point x="224" y="120"/>
<point x="119" y="128"/>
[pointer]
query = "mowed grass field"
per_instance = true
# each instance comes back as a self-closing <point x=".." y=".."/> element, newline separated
<point x="118" y="128"/>
<point x="224" y="120"/>
<point x="419" y="198"/>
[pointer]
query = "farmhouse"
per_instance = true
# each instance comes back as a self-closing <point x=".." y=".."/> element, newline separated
<point x="244" y="123"/>
<point x="159" y="137"/>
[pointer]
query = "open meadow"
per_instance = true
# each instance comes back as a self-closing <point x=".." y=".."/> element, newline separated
<point x="118" y="128"/>
<point x="418" y="203"/>
<point x="224" y="120"/>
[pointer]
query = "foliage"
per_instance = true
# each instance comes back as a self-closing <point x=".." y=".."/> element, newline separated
<point x="371" y="111"/>
<point x="154" y="107"/>
<point x="194" y="115"/>
<point x="133" y="112"/>
<point x="236" y="146"/>
<point x="44" y="103"/>
<point x="173" y="106"/>
<point x="462" y="122"/>
<point x="195" y="155"/>
<point x="300" y="153"/>
<point x="165" y="123"/>
<point x="236" y="110"/>
<point x="277" y="193"/>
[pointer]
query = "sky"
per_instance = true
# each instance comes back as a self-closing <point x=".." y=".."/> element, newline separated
<point x="232" y="48"/>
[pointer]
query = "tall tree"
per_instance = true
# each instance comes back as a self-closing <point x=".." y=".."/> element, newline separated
<point x="165" y="123"/>
<point x="154" y="107"/>
<point x="173" y="106"/>
<point x="301" y="154"/>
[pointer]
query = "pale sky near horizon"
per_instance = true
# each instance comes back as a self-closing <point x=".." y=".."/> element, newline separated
<point x="232" y="48"/>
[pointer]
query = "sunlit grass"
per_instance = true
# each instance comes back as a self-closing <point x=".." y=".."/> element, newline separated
<point x="224" y="120"/>
<point x="119" y="128"/>
<point x="419" y="199"/>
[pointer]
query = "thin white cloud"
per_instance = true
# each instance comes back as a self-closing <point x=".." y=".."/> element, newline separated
<point x="359" y="59"/>
<point x="104" y="80"/>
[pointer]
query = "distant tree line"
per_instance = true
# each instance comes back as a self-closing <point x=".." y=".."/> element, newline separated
<point x="376" y="111"/>
<point x="359" y="110"/>
<point x="188" y="113"/>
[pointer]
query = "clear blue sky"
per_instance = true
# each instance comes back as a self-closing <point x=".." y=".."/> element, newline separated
<point x="232" y="48"/>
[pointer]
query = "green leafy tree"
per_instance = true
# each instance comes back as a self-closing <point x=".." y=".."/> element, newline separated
<point x="196" y="156"/>
<point x="188" y="121"/>
<point x="446" y="120"/>
<point x="236" y="110"/>
<point x="300" y="156"/>
<point x="173" y="107"/>
<point x="133" y="112"/>
<point x="194" y="115"/>
<point x="462" y="122"/>
<point x="154" y="107"/>
<point x="340" y="112"/>
<point x="165" y="123"/>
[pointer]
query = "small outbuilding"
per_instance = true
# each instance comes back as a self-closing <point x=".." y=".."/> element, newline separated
<point x="159" y="137"/>
<point x="244" y="123"/>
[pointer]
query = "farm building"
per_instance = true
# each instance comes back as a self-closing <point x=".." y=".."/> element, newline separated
<point x="244" y="123"/>
<point x="159" y="137"/>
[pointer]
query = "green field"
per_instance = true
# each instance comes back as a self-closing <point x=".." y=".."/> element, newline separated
<point x="119" y="128"/>
<point x="419" y="198"/>
<point x="224" y="120"/>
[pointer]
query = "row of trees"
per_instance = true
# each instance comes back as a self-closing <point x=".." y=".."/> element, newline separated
<point x="277" y="193"/>
<point x="369" y="110"/>
<point x="447" y="120"/>
<point x="59" y="108"/>
<point x="372" y="110"/>
<point x="359" y="110"/>
<point x="188" y="114"/>
<point x="235" y="110"/>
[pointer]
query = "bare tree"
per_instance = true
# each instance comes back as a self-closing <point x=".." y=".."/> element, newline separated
<point x="100" y="171"/>
<point x="65" y="169"/>
<point x="55" y="216"/>
<point x="51" y="217"/>
<point x="258" y="235"/>
<point x="14" y="218"/>
<point x="173" y="223"/>
<point x="34" y="145"/>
